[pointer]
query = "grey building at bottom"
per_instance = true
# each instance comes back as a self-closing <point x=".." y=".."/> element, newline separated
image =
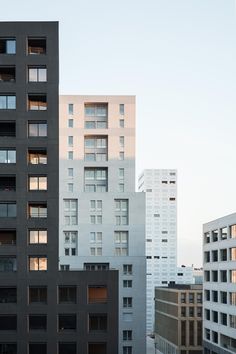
<point x="42" y="310"/>
<point x="178" y="319"/>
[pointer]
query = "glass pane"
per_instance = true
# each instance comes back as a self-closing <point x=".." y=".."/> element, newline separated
<point x="89" y="142"/>
<point x="42" y="263"/>
<point x="70" y="108"/>
<point x="3" y="156"/>
<point x="42" y="75"/>
<point x="32" y="74"/>
<point x="33" y="185"/>
<point x="11" y="156"/>
<point x="90" y="157"/>
<point x="33" y="129"/>
<point x="42" y="129"/>
<point x="89" y="110"/>
<point x="33" y="236"/>
<point x="12" y="210"/>
<point x="3" y="102"/>
<point x="3" y="210"/>
<point x="90" y="125"/>
<point x="43" y="183"/>
<point x="11" y="46"/>
<point x="92" y="237"/>
<point x="11" y="102"/>
<point x="33" y="263"/>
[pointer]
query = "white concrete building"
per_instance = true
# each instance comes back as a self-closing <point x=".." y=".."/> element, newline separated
<point x="185" y="275"/>
<point x="161" y="232"/>
<point x="219" y="247"/>
<point x="102" y="218"/>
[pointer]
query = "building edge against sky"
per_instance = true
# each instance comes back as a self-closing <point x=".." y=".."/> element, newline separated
<point x="102" y="218"/>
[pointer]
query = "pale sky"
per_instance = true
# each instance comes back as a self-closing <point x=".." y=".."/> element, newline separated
<point x="179" y="58"/>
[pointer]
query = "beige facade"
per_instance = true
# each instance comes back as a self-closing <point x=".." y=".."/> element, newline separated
<point x="178" y="319"/>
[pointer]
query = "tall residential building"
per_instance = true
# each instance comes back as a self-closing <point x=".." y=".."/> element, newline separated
<point x="102" y="218"/>
<point x="161" y="232"/>
<point x="219" y="247"/>
<point x="42" y="310"/>
<point x="178" y="319"/>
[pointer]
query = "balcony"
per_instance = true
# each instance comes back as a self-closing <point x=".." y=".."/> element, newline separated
<point x="37" y="102"/>
<point x="36" y="46"/>
<point x="7" y="129"/>
<point x="97" y="294"/>
<point x="7" y="74"/>
<point x="38" y="210"/>
<point x="37" y="156"/>
<point x="7" y="183"/>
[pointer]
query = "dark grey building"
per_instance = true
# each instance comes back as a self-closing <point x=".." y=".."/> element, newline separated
<point x="42" y="310"/>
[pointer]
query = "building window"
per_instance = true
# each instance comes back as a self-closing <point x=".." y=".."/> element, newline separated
<point x="95" y="179"/>
<point x="37" y="294"/>
<point x="95" y="219"/>
<point x="37" y="157"/>
<point x="37" y="183"/>
<point x="223" y="319"/>
<point x="7" y="73"/>
<point x="232" y="297"/>
<point x="96" y="115"/>
<point x="121" y="243"/>
<point x="232" y="231"/>
<point x="8" y="264"/>
<point x="8" y="348"/>
<point x="70" y="155"/>
<point x="70" y="172"/>
<point x="127" y="350"/>
<point x="223" y="255"/>
<point x="191" y="311"/>
<point x="38" y="236"/>
<point x="67" y="294"/>
<point x="37" y="74"/>
<point x="207" y="334"/>
<point x="96" y="251"/>
<point x="122" y="109"/>
<point x="67" y="322"/>
<point x="223" y="276"/>
<point x="8" y="295"/>
<point x="71" y="108"/>
<point x="214" y="235"/>
<point x="183" y="311"/>
<point x="37" y="210"/>
<point x="127" y="269"/>
<point x="207" y="237"/>
<point x="223" y="233"/>
<point x="37" y="263"/>
<point x="127" y="284"/>
<point x="8" y="323"/>
<point x="214" y="296"/>
<point x="121" y="173"/>
<point x="7" y="210"/>
<point x="70" y="123"/>
<point x="37" y="102"/>
<point x="7" y="45"/>
<point x="96" y="237"/>
<point x="199" y="298"/>
<point x="7" y="156"/>
<point x="183" y="298"/>
<point x="233" y="276"/>
<point x="121" y="155"/>
<point x="70" y="140"/>
<point x="127" y="302"/>
<point x="36" y="46"/>
<point x="98" y="322"/>
<point x="67" y="348"/>
<point x="121" y="211"/>
<point x="223" y="297"/>
<point x="121" y="187"/>
<point x="37" y="322"/>
<point x="233" y="254"/>
<point x="8" y="128"/>
<point x="70" y="187"/>
<point x="37" y="348"/>
<point x="122" y="123"/>
<point x="207" y="314"/>
<point x="71" y="211"/>
<point x="96" y="205"/>
<point x="122" y="141"/>
<point x="95" y="148"/>
<point x="207" y="275"/>
<point x="97" y="294"/>
<point x="7" y="102"/>
<point x="127" y="335"/>
<point x="214" y="276"/>
<point x="37" y="129"/>
<point x="191" y="298"/>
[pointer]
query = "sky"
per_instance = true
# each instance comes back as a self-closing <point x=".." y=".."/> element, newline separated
<point x="179" y="58"/>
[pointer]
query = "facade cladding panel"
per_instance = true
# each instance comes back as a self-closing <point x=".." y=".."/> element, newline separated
<point x="32" y="96"/>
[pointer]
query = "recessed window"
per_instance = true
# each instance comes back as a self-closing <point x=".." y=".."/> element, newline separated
<point x="8" y="348"/>
<point x="70" y="108"/>
<point x="37" y="129"/>
<point x="67" y="322"/>
<point x="8" y="128"/>
<point x="8" y="322"/>
<point x="214" y="235"/>
<point x="70" y="211"/>
<point x="121" y="187"/>
<point x="232" y="231"/>
<point x="70" y="123"/>
<point x="127" y="350"/>
<point x="127" y="269"/>
<point x="37" y="210"/>
<point x="122" y="141"/>
<point x="121" y="155"/>
<point x="97" y="294"/>
<point x="37" y="156"/>
<point x="96" y="251"/>
<point x="37" y="348"/>
<point x="70" y="187"/>
<point x="37" y="74"/>
<point x="38" y="294"/>
<point x="37" y="236"/>
<point x="68" y="348"/>
<point x="7" y="237"/>
<point x="97" y="348"/>
<point x="95" y="179"/>
<point x="70" y="172"/>
<point x="127" y="335"/>
<point x="96" y="115"/>
<point x="37" y="102"/>
<point x="7" y="183"/>
<point x="37" y="183"/>
<point x="122" y="123"/>
<point x="70" y="155"/>
<point x="7" y="210"/>
<point x="8" y="295"/>
<point x="37" y="263"/>
<point x="70" y="140"/>
<point x="121" y="243"/>
<point x="7" y="45"/>
<point x="37" y="322"/>
<point x="122" y="109"/>
<point x="36" y="46"/>
<point x="127" y="302"/>
<point x="233" y="254"/>
<point x="67" y="294"/>
<point x="7" y="101"/>
<point x="97" y="322"/>
<point x="7" y="73"/>
<point x="223" y="233"/>
<point x="95" y="237"/>
<point x="8" y="264"/>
